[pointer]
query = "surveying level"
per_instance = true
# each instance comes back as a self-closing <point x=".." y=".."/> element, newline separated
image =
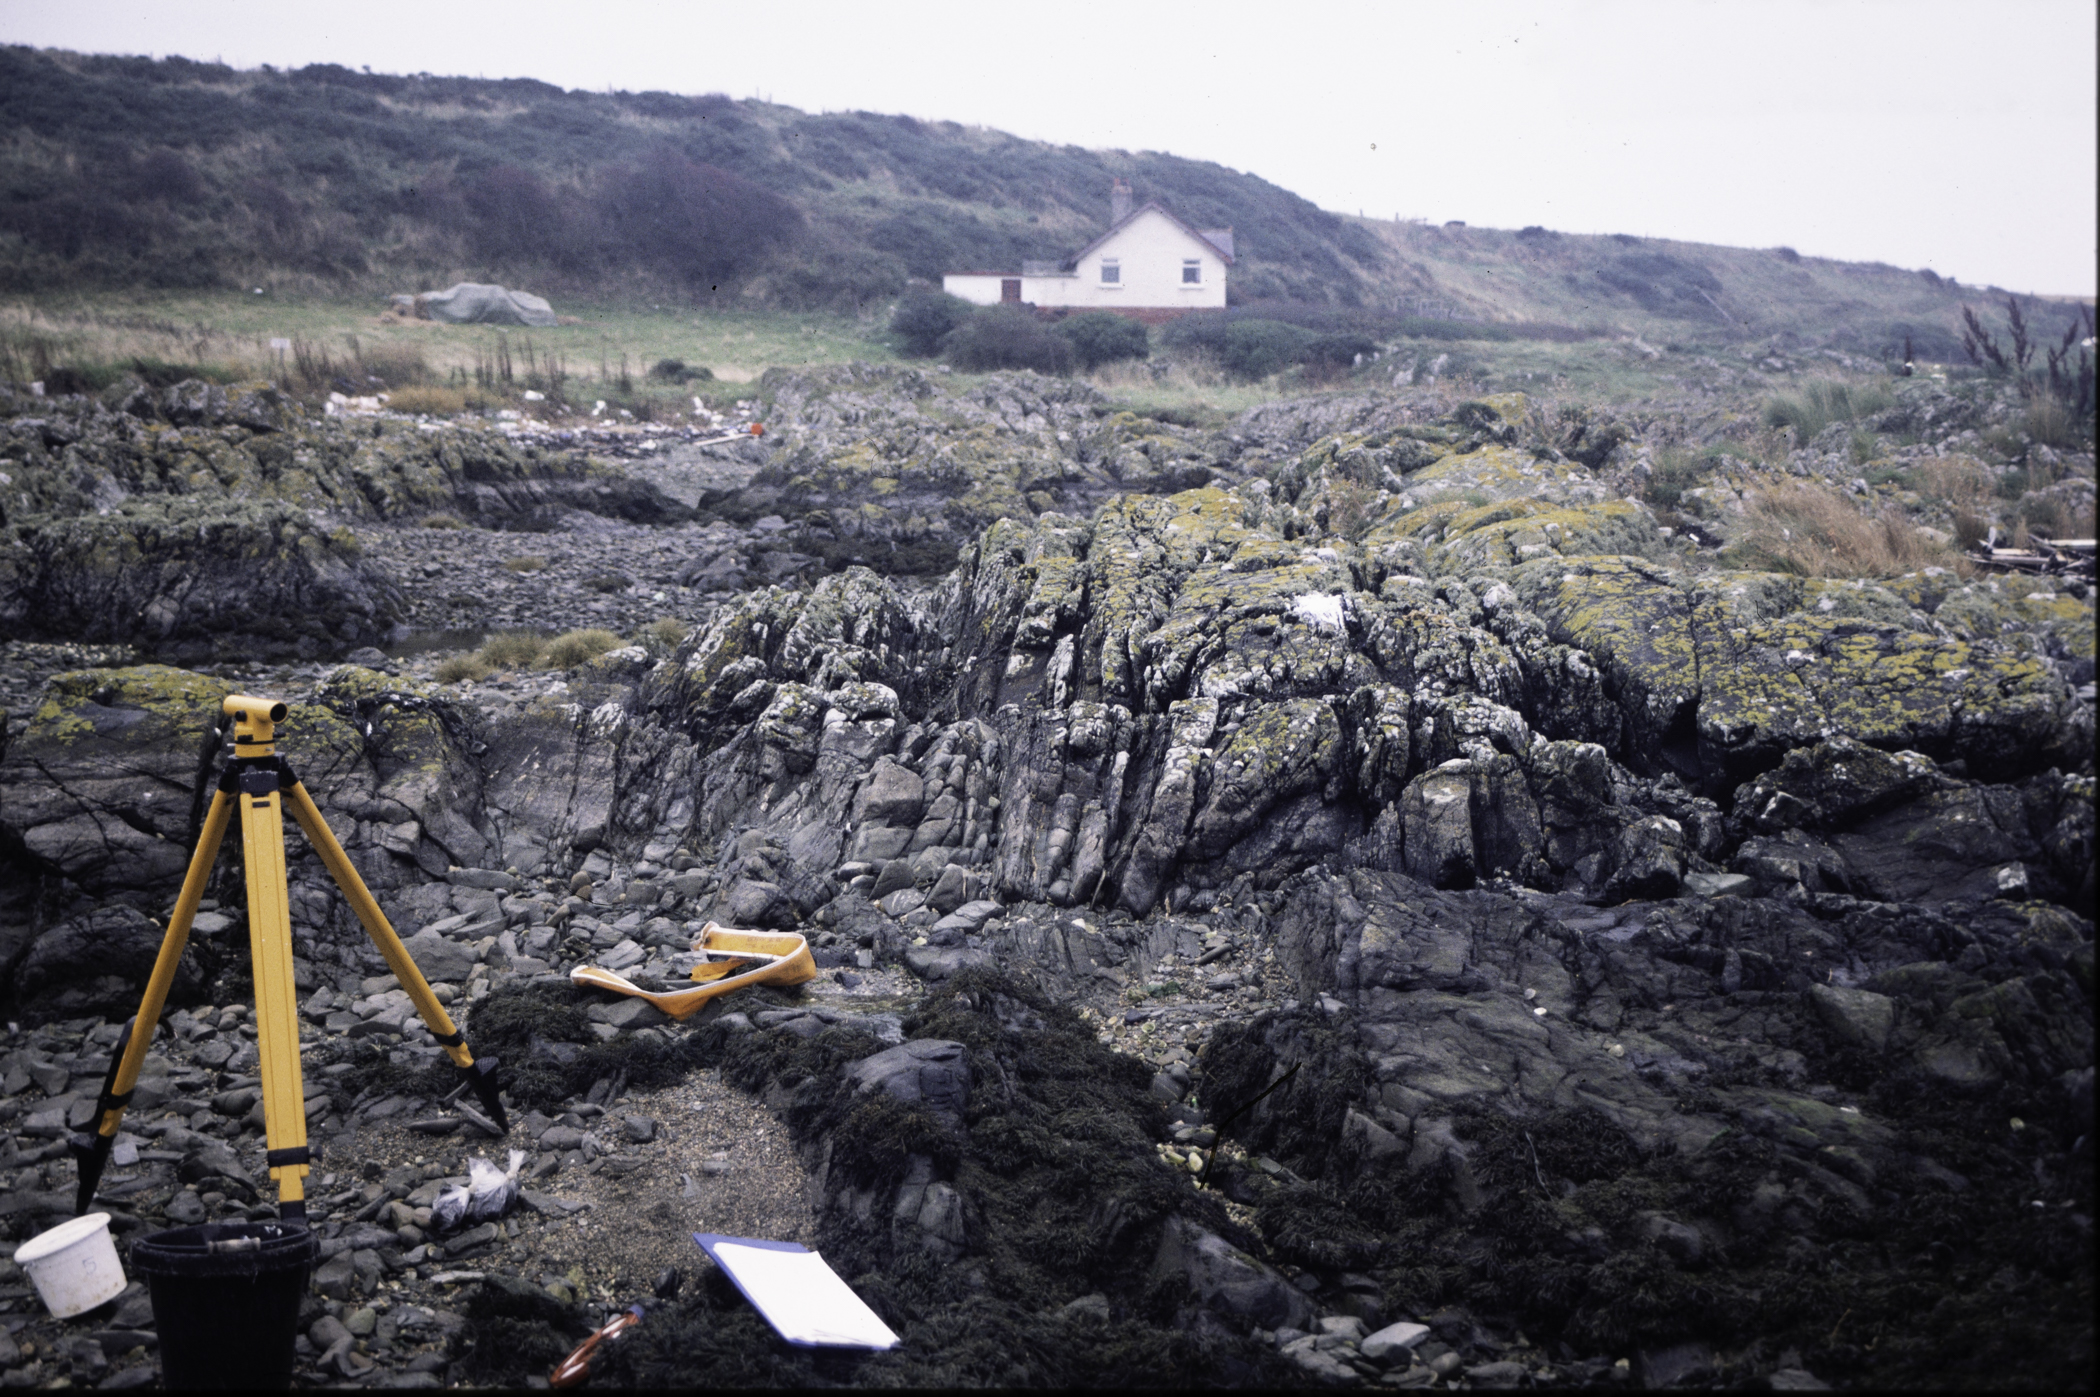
<point x="256" y="778"/>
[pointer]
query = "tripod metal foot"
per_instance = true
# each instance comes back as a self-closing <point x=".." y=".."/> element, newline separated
<point x="483" y="1081"/>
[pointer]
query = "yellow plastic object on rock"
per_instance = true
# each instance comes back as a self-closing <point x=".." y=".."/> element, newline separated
<point x="735" y="959"/>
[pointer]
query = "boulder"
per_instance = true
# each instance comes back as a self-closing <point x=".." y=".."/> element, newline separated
<point x="1861" y="1018"/>
<point x="439" y="958"/>
<point x="1438" y="818"/>
<point x="1650" y="859"/>
<point x="98" y="963"/>
<point x="1226" y="1280"/>
<point x="894" y="795"/>
<point x="928" y="1072"/>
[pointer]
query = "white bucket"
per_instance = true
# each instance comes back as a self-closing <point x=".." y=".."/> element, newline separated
<point x="74" y="1265"/>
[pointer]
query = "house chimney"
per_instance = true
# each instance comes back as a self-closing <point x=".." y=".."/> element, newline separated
<point x="1118" y="202"/>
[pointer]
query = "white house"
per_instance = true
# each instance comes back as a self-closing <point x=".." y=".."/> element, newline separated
<point x="1149" y="265"/>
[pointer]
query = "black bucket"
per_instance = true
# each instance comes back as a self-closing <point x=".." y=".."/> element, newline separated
<point x="226" y="1301"/>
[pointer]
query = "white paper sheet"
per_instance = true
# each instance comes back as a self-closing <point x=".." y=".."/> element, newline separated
<point x="802" y="1297"/>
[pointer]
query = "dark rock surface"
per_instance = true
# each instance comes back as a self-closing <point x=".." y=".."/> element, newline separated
<point x="194" y="580"/>
<point x="1652" y="963"/>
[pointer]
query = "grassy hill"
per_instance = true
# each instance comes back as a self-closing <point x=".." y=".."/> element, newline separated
<point x="175" y="173"/>
<point x="130" y="172"/>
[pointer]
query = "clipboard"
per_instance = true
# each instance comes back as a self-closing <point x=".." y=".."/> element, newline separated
<point x="797" y="1292"/>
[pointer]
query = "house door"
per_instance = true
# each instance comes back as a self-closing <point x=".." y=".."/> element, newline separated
<point x="1010" y="290"/>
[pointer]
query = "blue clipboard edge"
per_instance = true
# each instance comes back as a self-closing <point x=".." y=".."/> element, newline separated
<point x="708" y="1242"/>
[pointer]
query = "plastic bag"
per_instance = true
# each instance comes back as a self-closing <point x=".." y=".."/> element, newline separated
<point x="486" y="1196"/>
<point x="491" y="1191"/>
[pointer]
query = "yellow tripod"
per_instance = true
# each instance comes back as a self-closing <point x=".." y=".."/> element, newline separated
<point x="259" y="780"/>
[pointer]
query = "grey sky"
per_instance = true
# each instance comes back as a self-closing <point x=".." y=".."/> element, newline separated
<point x="1949" y="134"/>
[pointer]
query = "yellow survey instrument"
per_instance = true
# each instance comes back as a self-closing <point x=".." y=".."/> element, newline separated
<point x="733" y="960"/>
<point x="256" y="782"/>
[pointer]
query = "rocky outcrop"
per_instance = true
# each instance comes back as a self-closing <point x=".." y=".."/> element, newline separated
<point x="194" y="580"/>
<point x="1173" y="705"/>
<point x="201" y="523"/>
<point x="1633" y="951"/>
<point x="80" y="456"/>
<point x="876" y="460"/>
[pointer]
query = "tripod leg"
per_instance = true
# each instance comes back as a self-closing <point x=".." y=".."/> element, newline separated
<point x="480" y="1075"/>
<point x="276" y="996"/>
<point x="91" y="1149"/>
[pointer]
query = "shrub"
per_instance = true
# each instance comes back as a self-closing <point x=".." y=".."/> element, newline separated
<point x="513" y="216"/>
<point x="510" y="650"/>
<point x="2051" y="424"/>
<point x="923" y="318"/>
<point x="1247" y="348"/>
<point x="1254" y="349"/>
<point x="572" y="648"/>
<point x="1340" y="351"/>
<point x="697" y="222"/>
<point x="68" y="380"/>
<point x="163" y="373"/>
<point x="395" y="365"/>
<point x="1675" y="471"/>
<point x="1005" y="338"/>
<point x="1102" y="337"/>
<point x="1970" y="528"/>
<point x="529" y="562"/>
<point x="1863" y="445"/>
<point x="678" y="371"/>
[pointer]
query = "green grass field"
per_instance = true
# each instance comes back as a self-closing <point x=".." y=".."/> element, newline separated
<point x="231" y="332"/>
<point x="609" y="350"/>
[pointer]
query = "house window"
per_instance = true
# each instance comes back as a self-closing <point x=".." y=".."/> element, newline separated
<point x="1192" y="271"/>
<point x="1111" y="272"/>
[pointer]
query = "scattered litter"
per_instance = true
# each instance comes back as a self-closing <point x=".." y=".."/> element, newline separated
<point x="2061" y="557"/>
<point x="730" y="960"/>
<point x="577" y="1366"/>
<point x="1323" y="612"/>
<point x="343" y="405"/>
<point x="797" y="1292"/>
<point x="486" y="1196"/>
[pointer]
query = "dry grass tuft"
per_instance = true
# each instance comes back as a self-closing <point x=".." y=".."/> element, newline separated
<point x="461" y="667"/>
<point x="511" y="650"/>
<point x="1818" y="533"/>
<point x="1965" y="484"/>
<point x="666" y="632"/>
<point x="427" y="401"/>
<point x="1824" y="401"/>
<point x="1962" y="481"/>
<point x="572" y="648"/>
